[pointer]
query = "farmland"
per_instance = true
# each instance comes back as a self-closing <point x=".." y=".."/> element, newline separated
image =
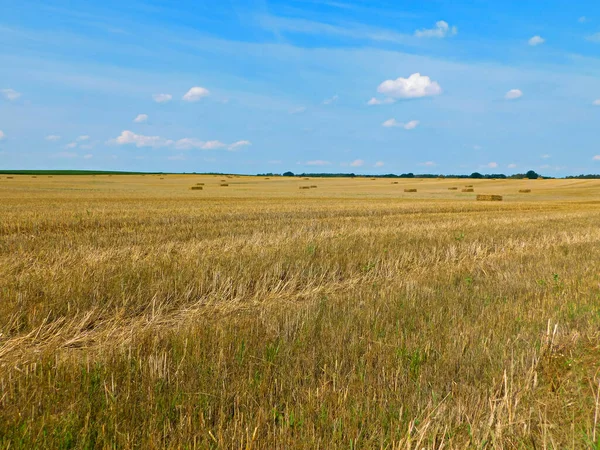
<point x="137" y="312"/>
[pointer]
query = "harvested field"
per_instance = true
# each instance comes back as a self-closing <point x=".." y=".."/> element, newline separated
<point x="139" y="314"/>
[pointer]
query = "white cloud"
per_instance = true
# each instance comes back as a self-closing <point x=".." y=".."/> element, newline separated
<point x="2" y="135"/>
<point x="141" y="118"/>
<point x="52" y="138"/>
<point x="86" y="147"/>
<point x="162" y="98"/>
<point x="239" y="144"/>
<point x="513" y="94"/>
<point x="596" y="102"/>
<point x="357" y="163"/>
<point x="298" y="110"/>
<point x="512" y="166"/>
<point x="492" y="165"/>
<point x="213" y="145"/>
<point x="83" y="138"/>
<point x="441" y="30"/>
<point x="594" y="37"/>
<point x="546" y="156"/>
<point x="582" y="19"/>
<point x="10" y="94"/>
<point x="71" y="145"/>
<point x="196" y="93"/>
<point x="191" y="143"/>
<point x="376" y="101"/>
<point x="536" y="40"/>
<point x="88" y="156"/>
<point x="317" y="162"/>
<point x="415" y="86"/>
<point x="596" y="158"/>
<point x="429" y="164"/>
<point x="139" y="140"/>
<point x="329" y="101"/>
<point x="393" y="123"/>
<point x="379" y="164"/>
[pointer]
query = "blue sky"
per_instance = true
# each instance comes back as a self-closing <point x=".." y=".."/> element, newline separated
<point x="302" y="85"/>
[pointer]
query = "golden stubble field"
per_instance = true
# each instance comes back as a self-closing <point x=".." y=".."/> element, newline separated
<point x="138" y="313"/>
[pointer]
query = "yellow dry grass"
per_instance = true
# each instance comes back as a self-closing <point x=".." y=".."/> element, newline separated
<point x="136" y="314"/>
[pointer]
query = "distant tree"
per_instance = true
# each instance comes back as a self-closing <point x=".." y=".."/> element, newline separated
<point x="532" y="175"/>
<point x="288" y="174"/>
<point x="476" y="175"/>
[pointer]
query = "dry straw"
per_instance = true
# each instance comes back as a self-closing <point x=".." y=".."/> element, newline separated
<point x="524" y="191"/>
<point x="468" y="185"/>
<point x="304" y="187"/>
<point x="313" y="186"/>
<point x="452" y="189"/>
<point x="410" y="190"/>
<point x="197" y="188"/>
<point x="468" y="190"/>
<point x="489" y="198"/>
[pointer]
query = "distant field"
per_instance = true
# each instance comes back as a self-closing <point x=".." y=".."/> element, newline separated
<point x="136" y="312"/>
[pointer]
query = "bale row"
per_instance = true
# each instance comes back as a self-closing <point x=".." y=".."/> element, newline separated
<point x="489" y="198"/>
<point x="524" y="191"/>
<point x="468" y="190"/>
<point x="410" y="190"/>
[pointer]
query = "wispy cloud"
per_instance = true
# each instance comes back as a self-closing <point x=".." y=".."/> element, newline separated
<point x="357" y="31"/>
<point x="141" y="118"/>
<point x="441" y="30"/>
<point x="2" y="135"/>
<point x="10" y="94"/>
<point x="162" y="98"/>
<point x="357" y="163"/>
<point x="594" y="37"/>
<point x="298" y="110"/>
<point x="379" y="164"/>
<point x="139" y="140"/>
<point x="238" y="144"/>
<point x="536" y="40"/>
<point x="376" y="101"/>
<point x="331" y="100"/>
<point x="393" y="123"/>
<point x="316" y="162"/>
<point x="53" y="138"/>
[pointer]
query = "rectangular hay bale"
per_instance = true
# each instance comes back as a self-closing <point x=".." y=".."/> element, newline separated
<point x="489" y="198"/>
<point x="468" y="190"/>
<point x="410" y="190"/>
